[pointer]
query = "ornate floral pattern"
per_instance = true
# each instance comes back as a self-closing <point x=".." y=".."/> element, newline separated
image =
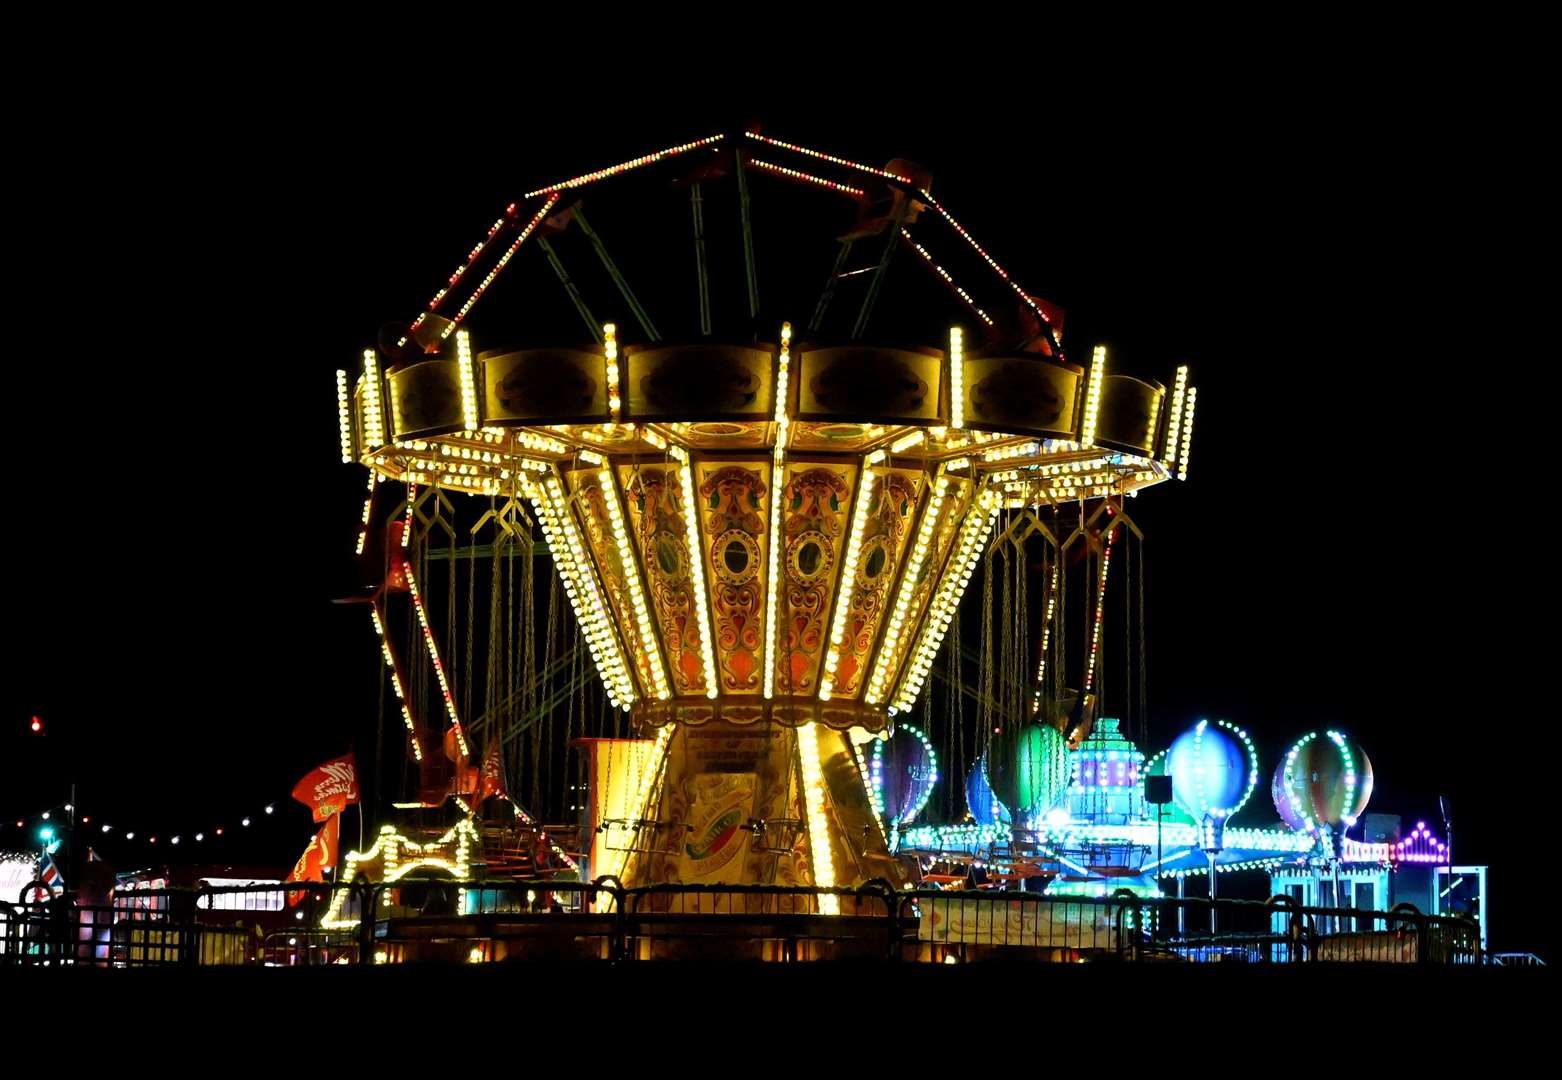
<point x="894" y="499"/>
<point x="733" y="504"/>
<point x="815" y="501"/>
<point x="656" y="516"/>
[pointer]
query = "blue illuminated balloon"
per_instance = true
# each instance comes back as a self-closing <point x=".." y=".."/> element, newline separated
<point x="979" y="798"/>
<point x="1213" y="769"/>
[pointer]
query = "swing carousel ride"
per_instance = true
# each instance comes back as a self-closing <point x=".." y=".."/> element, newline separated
<point x="766" y="440"/>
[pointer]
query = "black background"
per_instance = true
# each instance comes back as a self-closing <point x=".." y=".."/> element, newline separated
<point x="1325" y="244"/>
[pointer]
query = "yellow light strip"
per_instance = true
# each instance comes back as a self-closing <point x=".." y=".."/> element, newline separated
<point x="818" y="828"/>
<point x="1179" y="394"/>
<point x="468" y="381"/>
<point x="626" y="557"/>
<point x="406" y="531"/>
<point x="691" y="524"/>
<point x="1087" y="434"/>
<point x="777" y="479"/>
<point x="823" y="157"/>
<point x="591" y="610"/>
<point x="643" y="789"/>
<point x="624" y="166"/>
<point x="390" y="664"/>
<point x="848" y="580"/>
<point x="1187" y="434"/>
<point x="615" y="403"/>
<point x="946" y="601"/>
<point x="809" y="177"/>
<point x="1046" y="636"/>
<point x="433" y="652"/>
<point x="908" y="585"/>
<point x="941" y="272"/>
<point x="344" y="416"/>
<point x="368" y="508"/>
<point x="956" y="377"/>
<point x="373" y="414"/>
<point x="504" y="259"/>
<point x="533" y="441"/>
<point x="581" y="588"/>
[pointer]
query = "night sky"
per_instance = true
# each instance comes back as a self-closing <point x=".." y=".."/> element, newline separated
<point x="1342" y="556"/>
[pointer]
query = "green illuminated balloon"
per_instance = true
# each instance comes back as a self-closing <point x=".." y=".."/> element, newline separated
<point x="1029" y="770"/>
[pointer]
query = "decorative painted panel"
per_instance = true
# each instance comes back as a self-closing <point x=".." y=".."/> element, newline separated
<point x="734" y="509"/>
<point x="816" y="501"/>
<point x="655" y="505"/>
<point x="890" y="519"/>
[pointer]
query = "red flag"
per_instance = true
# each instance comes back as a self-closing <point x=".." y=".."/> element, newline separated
<point x="320" y="854"/>
<point x="330" y="788"/>
<point x="493" y="772"/>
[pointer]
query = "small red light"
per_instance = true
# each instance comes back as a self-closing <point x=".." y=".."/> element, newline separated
<point x="37" y="725"/>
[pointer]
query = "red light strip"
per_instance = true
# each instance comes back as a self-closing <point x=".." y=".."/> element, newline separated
<point x="941" y="272"/>
<point x="450" y="283"/>
<point x="433" y="652"/>
<point x="1095" y="633"/>
<point x="624" y="166"/>
<point x="809" y="177"/>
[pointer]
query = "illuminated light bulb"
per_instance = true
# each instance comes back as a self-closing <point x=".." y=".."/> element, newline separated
<point x="946" y="599"/>
<point x="1087" y="434"/>
<point x="956" y="377"/>
<point x="245" y="823"/>
<point x="818" y="830"/>
<point x="794" y="174"/>
<point x="648" y="644"/>
<point x="580" y="587"/>
<point x="875" y="457"/>
<point x="691" y="524"/>
<point x="504" y="260"/>
<point x="1046" y="635"/>
<point x="373" y="414"/>
<point x="889" y="649"/>
<point x="1095" y="633"/>
<point x="469" y="419"/>
<point x="777" y="480"/>
<point x="1179" y="394"/>
<point x="1187" y="433"/>
<point x="615" y="403"/>
<point x="848" y="580"/>
<point x="768" y="140"/>
<point x="633" y="163"/>
<point x="344" y="416"/>
<point x="941" y="272"/>
<point x="907" y="441"/>
<point x="433" y="652"/>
